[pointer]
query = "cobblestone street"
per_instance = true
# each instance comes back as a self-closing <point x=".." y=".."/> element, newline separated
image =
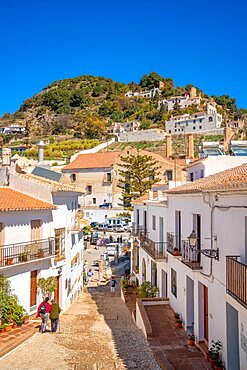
<point x="97" y="332"/>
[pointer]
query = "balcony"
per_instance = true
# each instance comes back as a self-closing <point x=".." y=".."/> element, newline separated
<point x="138" y="230"/>
<point x="190" y="256"/>
<point x="13" y="254"/>
<point x="236" y="279"/>
<point x="156" y="250"/>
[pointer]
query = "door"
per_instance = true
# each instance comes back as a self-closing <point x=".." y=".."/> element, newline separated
<point x="190" y="304"/>
<point x="161" y="234"/>
<point x="33" y="288"/>
<point x="178" y="229"/>
<point x="153" y="273"/>
<point x="35" y="230"/>
<point x="205" y="313"/>
<point x="197" y="228"/>
<point x="232" y="332"/>
<point x="145" y="220"/>
<point x="164" y="284"/>
<point x="56" y="293"/>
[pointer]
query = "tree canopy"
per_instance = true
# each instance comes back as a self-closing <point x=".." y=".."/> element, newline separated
<point x="138" y="173"/>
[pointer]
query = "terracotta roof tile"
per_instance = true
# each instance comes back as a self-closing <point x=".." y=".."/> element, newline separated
<point x="12" y="200"/>
<point x="232" y="179"/>
<point x="96" y="160"/>
<point x="145" y="197"/>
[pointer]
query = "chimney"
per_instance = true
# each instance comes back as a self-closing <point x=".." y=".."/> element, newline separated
<point x="168" y="146"/>
<point x="227" y="137"/>
<point x="6" y="157"/>
<point x="41" y="145"/>
<point x="190" y="146"/>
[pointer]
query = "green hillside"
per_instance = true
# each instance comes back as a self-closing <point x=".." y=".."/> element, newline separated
<point x="84" y="106"/>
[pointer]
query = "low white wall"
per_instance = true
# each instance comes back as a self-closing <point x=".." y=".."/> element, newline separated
<point x="95" y="149"/>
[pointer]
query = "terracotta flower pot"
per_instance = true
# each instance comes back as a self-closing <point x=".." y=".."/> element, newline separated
<point x="9" y="261"/>
<point x="191" y="342"/>
<point x="14" y="326"/>
<point x="8" y="327"/>
<point x="26" y="320"/>
<point x="2" y="330"/>
<point x="179" y="325"/>
<point x="176" y="253"/>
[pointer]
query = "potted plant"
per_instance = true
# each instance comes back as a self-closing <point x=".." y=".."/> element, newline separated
<point x="40" y="253"/>
<point x="179" y="323"/>
<point x="191" y="339"/>
<point x="9" y="261"/>
<point x="176" y="252"/>
<point x="177" y="316"/>
<point x="23" y="257"/>
<point x="2" y="328"/>
<point x="218" y="364"/>
<point x="214" y="352"/>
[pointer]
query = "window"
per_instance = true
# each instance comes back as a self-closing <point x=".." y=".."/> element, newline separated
<point x="154" y="222"/>
<point x="194" y="120"/>
<point x="73" y="177"/>
<point x="169" y="175"/>
<point x="192" y="176"/>
<point x="60" y="242"/>
<point x="108" y="177"/>
<point x="200" y="127"/>
<point x="210" y="119"/>
<point x="89" y="189"/>
<point x="72" y="206"/>
<point x="174" y="282"/>
<point x="170" y="131"/>
<point x="200" y="120"/>
<point x="137" y="216"/>
<point x="194" y="127"/>
<point x="94" y="200"/>
<point x="202" y="174"/>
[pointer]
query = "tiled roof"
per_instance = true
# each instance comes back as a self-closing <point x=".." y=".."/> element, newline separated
<point x="12" y="200"/>
<point x="232" y="179"/>
<point x="145" y="197"/>
<point x="56" y="186"/>
<point x="95" y="160"/>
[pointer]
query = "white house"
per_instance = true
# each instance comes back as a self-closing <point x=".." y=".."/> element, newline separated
<point x="202" y="265"/>
<point x="213" y="164"/>
<point x="197" y="122"/>
<point x="40" y="236"/>
<point x="183" y="101"/>
<point x="144" y="94"/>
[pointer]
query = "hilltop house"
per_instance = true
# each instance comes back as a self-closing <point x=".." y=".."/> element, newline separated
<point x="195" y="123"/>
<point x="190" y="241"/>
<point x="189" y="98"/>
<point x="123" y="127"/>
<point x="144" y="94"/>
<point x="40" y="236"/>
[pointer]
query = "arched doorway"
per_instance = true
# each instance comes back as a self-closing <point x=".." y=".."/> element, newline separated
<point x="144" y="269"/>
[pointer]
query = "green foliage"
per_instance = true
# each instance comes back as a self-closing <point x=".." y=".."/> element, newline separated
<point x="87" y="230"/>
<point x="147" y="290"/>
<point x="150" y="81"/>
<point x="62" y="149"/>
<point x="47" y="286"/>
<point x="10" y="309"/>
<point x="138" y="173"/>
<point x="226" y="102"/>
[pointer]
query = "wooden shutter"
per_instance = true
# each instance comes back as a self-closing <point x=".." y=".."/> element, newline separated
<point x="36" y="230"/>
<point x="33" y="288"/>
<point x="1" y="243"/>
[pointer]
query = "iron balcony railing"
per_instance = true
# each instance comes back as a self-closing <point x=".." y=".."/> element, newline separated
<point x="156" y="250"/>
<point x="23" y="252"/>
<point x="190" y="256"/>
<point x="138" y="230"/>
<point x="236" y="279"/>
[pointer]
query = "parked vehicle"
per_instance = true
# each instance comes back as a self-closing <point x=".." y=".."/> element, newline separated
<point x="110" y="228"/>
<point x="102" y="226"/>
<point x="94" y="225"/>
<point x="119" y="228"/>
<point x="105" y="205"/>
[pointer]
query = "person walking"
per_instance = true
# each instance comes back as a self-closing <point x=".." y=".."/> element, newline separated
<point x="54" y="315"/>
<point x="112" y="285"/>
<point x="43" y="312"/>
<point x="90" y="275"/>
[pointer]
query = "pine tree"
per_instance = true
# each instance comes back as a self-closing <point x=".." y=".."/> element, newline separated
<point x="139" y="173"/>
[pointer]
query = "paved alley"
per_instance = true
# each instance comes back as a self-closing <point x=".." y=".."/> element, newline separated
<point x="97" y="333"/>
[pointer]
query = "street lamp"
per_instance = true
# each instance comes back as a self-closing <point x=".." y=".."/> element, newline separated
<point x="211" y="253"/>
<point x="192" y="239"/>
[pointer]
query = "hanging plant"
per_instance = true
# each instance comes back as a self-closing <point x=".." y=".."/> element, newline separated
<point x="47" y="286"/>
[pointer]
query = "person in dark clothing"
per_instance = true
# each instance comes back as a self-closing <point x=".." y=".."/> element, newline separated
<point x="54" y="315"/>
<point x="113" y="285"/>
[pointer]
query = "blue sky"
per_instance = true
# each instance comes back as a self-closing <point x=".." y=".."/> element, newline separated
<point x="199" y="42"/>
